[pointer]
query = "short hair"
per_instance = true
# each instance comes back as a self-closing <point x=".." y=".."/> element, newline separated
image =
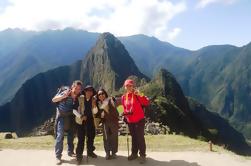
<point x="76" y="83"/>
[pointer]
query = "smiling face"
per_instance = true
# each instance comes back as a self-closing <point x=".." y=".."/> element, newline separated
<point x="89" y="93"/>
<point x="101" y="95"/>
<point x="129" y="88"/>
<point x="76" y="89"/>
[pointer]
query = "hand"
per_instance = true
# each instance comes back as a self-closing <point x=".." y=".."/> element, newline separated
<point x="67" y="93"/>
<point x="136" y="92"/>
<point x="103" y="114"/>
<point x="94" y="102"/>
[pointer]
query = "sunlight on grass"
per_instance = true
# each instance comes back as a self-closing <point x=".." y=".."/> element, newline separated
<point x="154" y="143"/>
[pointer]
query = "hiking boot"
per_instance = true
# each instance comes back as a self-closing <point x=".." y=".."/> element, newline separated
<point x="79" y="160"/>
<point x="113" y="156"/>
<point x="108" y="157"/>
<point x="142" y="159"/>
<point x="92" y="154"/>
<point x="58" y="161"/>
<point x="132" y="157"/>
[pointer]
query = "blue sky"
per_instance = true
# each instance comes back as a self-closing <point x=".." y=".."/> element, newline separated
<point x="217" y="23"/>
<point x="190" y="24"/>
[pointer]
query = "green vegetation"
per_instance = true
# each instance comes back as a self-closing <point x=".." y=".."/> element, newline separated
<point x="120" y="109"/>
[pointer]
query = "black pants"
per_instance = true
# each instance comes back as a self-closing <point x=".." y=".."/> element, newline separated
<point x="86" y="129"/>
<point x="138" y="139"/>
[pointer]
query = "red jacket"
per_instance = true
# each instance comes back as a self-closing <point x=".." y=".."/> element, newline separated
<point x="134" y="105"/>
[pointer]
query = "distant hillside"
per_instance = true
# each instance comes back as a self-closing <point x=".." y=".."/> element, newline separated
<point x="223" y="133"/>
<point x="25" y="54"/>
<point x="32" y="105"/>
<point x="216" y="76"/>
<point x="219" y="77"/>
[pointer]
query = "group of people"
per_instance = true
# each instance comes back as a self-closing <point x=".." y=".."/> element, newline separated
<point x="80" y="110"/>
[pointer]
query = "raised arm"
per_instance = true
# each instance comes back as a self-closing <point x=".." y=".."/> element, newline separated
<point x="61" y="96"/>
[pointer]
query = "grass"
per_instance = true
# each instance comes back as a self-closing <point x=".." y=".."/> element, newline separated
<point x="120" y="109"/>
<point x="167" y="143"/>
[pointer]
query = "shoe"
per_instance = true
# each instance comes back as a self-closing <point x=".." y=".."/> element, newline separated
<point x="113" y="156"/>
<point x="142" y="159"/>
<point x="58" y="161"/>
<point x="92" y="154"/>
<point x="108" y="157"/>
<point x="71" y="154"/>
<point x="79" y="160"/>
<point x="132" y="157"/>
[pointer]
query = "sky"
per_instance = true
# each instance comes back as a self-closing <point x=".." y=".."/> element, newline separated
<point x="191" y="24"/>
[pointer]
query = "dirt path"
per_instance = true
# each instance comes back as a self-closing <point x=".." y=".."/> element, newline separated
<point x="46" y="158"/>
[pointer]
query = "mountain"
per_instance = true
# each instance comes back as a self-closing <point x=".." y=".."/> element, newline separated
<point x="151" y="54"/>
<point x="25" y="54"/>
<point x="223" y="133"/>
<point x="216" y="76"/>
<point x="219" y="77"/>
<point x="170" y="106"/>
<point x="32" y="105"/>
<point x="30" y="53"/>
<point x="188" y="117"/>
<point x="11" y="39"/>
<point x="108" y="64"/>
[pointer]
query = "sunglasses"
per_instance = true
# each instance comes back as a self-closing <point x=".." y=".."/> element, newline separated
<point x="101" y="94"/>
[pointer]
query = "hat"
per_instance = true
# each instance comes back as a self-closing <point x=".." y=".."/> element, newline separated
<point x="89" y="87"/>
<point x="129" y="82"/>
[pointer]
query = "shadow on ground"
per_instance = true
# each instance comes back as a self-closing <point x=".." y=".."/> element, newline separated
<point x="122" y="161"/>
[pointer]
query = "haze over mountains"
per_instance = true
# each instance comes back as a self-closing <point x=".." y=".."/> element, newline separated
<point x="216" y="76"/>
<point x="32" y="105"/>
<point x="108" y="64"/>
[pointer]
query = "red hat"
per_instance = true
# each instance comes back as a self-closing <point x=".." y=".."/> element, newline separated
<point x="129" y="82"/>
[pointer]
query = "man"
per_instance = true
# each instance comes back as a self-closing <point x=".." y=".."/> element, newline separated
<point x="67" y="100"/>
<point x="85" y="126"/>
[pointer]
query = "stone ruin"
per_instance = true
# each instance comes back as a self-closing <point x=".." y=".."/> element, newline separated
<point x="151" y="128"/>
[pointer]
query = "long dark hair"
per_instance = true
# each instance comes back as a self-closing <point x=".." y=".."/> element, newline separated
<point x="103" y="91"/>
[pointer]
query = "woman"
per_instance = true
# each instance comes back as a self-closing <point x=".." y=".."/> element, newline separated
<point x="109" y="115"/>
<point x="85" y="125"/>
<point x="134" y="114"/>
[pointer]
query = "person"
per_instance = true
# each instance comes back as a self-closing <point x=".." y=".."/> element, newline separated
<point x="110" y="118"/>
<point x="67" y="101"/>
<point x="132" y="104"/>
<point x="85" y="126"/>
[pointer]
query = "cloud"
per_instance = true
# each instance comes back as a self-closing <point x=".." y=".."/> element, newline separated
<point x="123" y="17"/>
<point x="174" y="33"/>
<point x="205" y="3"/>
<point x="3" y="5"/>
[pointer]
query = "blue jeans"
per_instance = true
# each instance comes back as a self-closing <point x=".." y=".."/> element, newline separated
<point x="60" y="138"/>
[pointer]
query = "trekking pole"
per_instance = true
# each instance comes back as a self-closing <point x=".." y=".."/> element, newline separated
<point x="127" y="139"/>
<point x="127" y="133"/>
<point x="87" y="157"/>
